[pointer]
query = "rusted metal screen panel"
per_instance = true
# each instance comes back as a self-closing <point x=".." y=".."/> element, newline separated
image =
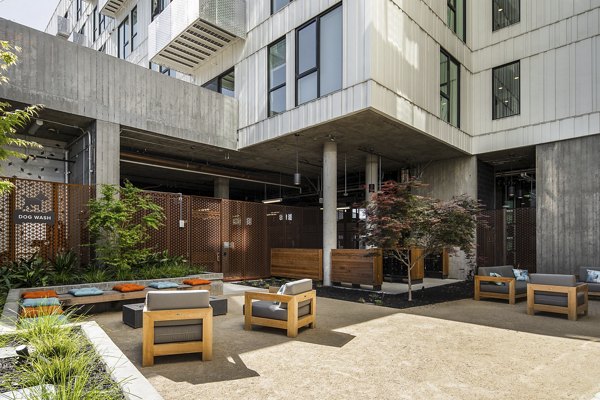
<point x="67" y="231"/>
<point x="256" y="253"/>
<point x="508" y="239"/>
<point x="205" y="232"/>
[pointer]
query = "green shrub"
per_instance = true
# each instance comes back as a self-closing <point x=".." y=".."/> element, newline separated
<point x="65" y="262"/>
<point x="28" y="272"/>
<point x="94" y="275"/>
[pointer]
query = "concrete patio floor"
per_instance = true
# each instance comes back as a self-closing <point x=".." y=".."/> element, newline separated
<point x="455" y="350"/>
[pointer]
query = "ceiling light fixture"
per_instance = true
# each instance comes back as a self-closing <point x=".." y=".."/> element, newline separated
<point x="297" y="176"/>
<point x="271" y="201"/>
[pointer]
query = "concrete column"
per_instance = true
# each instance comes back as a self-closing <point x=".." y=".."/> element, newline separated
<point x="371" y="175"/>
<point x="106" y="165"/>
<point x="221" y="188"/>
<point x="329" y="207"/>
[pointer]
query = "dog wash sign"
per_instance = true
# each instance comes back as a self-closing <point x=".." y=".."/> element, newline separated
<point x="32" y="211"/>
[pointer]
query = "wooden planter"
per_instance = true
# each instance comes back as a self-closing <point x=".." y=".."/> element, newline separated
<point x="358" y="267"/>
<point x="297" y="263"/>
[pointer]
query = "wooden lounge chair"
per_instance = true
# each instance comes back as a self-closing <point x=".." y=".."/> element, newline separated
<point x="487" y="286"/>
<point x="297" y="307"/>
<point x="558" y="294"/>
<point x="177" y="322"/>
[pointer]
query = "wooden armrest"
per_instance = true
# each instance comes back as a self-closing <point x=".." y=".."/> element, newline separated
<point x="538" y="287"/>
<point x="179" y="314"/>
<point x="284" y="298"/>
<point x="493" y="278"/>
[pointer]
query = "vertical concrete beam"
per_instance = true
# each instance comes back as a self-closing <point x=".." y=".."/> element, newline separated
<point x="371" y="175"/>
<point x="106" y="165"/>
<point x="221" y="188"/>
<point x="329" y="207"/>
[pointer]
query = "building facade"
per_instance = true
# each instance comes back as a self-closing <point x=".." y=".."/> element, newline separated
<point x="317" y="102"/>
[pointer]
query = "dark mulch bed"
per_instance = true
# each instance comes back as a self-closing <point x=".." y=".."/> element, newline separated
<point x="421" y="297"/>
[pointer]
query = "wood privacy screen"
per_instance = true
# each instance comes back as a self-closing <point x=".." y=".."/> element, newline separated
<point x="297" y="263"/>
<point x="357" y="266"/>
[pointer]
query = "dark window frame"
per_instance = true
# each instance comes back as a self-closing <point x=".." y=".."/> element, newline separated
<point x="317" y="67"/>
<point x="78" y="9"/>
<point x="494" y="114"/>
<point x="273" y="8"/>
<point x="219" y="80"/>
<point x="99" y="21"/>
<point x="495" y="26"/>
<point x="121" y="37"/>
<point x="449" y="96"/>
<point x="158" y="8"/>
<point x="134" y="32"/>
<point x="269" y="89"/>
<point x="453" y="28"/>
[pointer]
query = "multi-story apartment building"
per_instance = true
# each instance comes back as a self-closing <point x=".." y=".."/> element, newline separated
<point x="322" y="100"/>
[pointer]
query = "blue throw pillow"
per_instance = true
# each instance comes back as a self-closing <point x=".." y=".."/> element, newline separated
<point x="521" y="274"/>
<point x="496" y="275"/>
<point x="90" y="291"/>
<point x="48" y="301"/>
<point x="593" y="276"/>
<point x="163" y="285"/>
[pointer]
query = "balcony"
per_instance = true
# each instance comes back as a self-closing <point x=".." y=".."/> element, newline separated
<point x="63" y="26"/>
<point x="189" y="32"/>
<point x="111" y="7"/>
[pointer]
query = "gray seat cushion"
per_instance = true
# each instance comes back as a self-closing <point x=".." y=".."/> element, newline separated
<point x="268" y="309"/>
<point x="556" y="299"/>
<point x="181" y="333"/>
<point x="504" y="270"/>
<point x="553" y="279"/>
<point x="297" y="287"/>
<point x="520" y="288"/>
<point x="594" y="287"/>
<point x="175" y="300"/>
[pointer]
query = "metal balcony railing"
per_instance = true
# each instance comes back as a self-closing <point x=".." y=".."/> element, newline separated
<point x="188" y="32"/>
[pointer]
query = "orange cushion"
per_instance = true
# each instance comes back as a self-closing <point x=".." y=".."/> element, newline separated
<point x="196" y="282"/>
<point x="128" y="287"/>
<point x="39" y="294"/>
<point x="30" y="312"/>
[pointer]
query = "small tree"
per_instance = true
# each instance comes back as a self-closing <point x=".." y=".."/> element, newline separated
<point x="10" y="120"/>
<point x="119" y="222"/>
<point x="398" y="220"/>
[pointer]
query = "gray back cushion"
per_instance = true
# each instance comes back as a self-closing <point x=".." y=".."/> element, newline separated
<point x="297" y="287"/>
<point x="175" y="300"/>
<point x="583" y="273"/>
<point x="553" y="279"/>
<point x="504" y="270"/>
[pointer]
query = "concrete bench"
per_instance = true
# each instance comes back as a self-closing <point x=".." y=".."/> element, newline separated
<point x="110" y="296"/>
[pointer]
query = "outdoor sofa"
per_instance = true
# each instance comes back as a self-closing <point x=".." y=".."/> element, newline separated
<point x="557" y="293"/>
<point x="593" y="288"/>
<point x="504" y="287"/>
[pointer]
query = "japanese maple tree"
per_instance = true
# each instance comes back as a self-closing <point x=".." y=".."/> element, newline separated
<point x="399" y="219"/>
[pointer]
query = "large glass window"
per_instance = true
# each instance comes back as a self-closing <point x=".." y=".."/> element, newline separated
<point x="319" y="56"/>
<point x="161" y="69"/>
<point x="79" y="8"/>
<point x="99" y="21"/>
<point x="134" y="29"/>
<point x="277" y="77"/>
<point x="449" y="89"/>
<point x="124" y="37"/>
<point x="506" y="87"/>
<point x="277" y="5"/>
<point x="505" y="13"/>
<point x="158" y="6"/>
<point x="456" y="17"/>
<point x="224" y="83"/>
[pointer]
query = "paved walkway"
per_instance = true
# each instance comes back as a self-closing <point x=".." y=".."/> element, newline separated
<point x="456" y="350"/>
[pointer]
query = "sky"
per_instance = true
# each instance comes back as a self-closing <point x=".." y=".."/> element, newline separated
<point x="33" y="13"/>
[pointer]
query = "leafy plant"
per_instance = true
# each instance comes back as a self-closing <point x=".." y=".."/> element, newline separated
<point x="65" y="262"/>
<point x="398" y="220"/>
<point x="119" y="222"/>
<point x="29" y="272"/>
<point x="10" y="120"/>
<point x="94" y="275"/>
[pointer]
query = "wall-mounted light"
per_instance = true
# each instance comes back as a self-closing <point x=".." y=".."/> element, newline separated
<point x="297" y="176"/>
<point x="271" y="201"/>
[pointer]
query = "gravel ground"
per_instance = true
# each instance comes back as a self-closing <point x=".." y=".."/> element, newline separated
<point x="454" y="350"/>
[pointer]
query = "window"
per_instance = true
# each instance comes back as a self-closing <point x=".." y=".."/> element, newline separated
<point x="277" y="5"/>
<point x="319" y="56"/>
<point x="82" y="30"/>
<point x="505" y="13"/>
<point x="99" y="21"/>
<point x="79" y="8"/>
<point x="124" y="38"/>
<point x="224" y="83"/>
<point x="456" y="17"/>
<point x="277" y="77"/>
<point x="161" y="69"/>
<point x="102" y="48"/>
<point x="158" y="6"/>
<point x="134" y="28"/>
<point x="506" y="89"/>
<point x="449" y="89"/>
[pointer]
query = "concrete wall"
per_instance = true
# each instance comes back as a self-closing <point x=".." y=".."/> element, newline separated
<point x="568" y="205"/>
<point x="77" y="80"/>
<point x="107" y="145"/>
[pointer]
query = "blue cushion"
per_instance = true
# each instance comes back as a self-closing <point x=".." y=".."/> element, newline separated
<point x="163" y="285"/>
<point x="521" y="274"/>
<point x="593" y="276"/>
<point x="48" y="301"/>
<point x="88" y="291"/>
